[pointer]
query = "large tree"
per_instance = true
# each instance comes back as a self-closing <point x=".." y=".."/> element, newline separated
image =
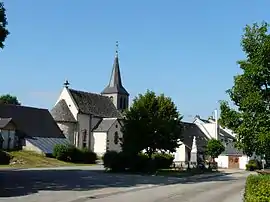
<point x="214" y="148"/>
<point x="9" y="99"/>
<point x="153" y="124"/>
<point x="251" y="94"/>
<point x="3" y="25"/>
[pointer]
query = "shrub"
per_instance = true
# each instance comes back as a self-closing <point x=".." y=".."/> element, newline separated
<point x="114" y="161"/>
<point x="72" y="154"/>
<point x="257" y="188"/>
<point x="163" y="160"/>
<point x="4" y="158"/>
<point x="253" y="165"/>
<point x="61" y="152"/>
<point x="88" y="157"/>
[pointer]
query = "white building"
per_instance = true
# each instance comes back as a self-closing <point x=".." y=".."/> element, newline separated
<point x="91" y="120"/>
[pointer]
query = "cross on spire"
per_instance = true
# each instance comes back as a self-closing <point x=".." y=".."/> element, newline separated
<point x="66" y="84"/>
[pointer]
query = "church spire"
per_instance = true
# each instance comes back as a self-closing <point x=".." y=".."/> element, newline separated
<point x="115" y="84"/>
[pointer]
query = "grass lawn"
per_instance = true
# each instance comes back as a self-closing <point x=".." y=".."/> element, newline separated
<point x="28" y="159"/>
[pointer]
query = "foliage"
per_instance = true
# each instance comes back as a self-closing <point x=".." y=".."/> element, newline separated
<point x="257" y="188"/>
<point x="163" y="160"/>
<point x="253" y="165"/>
<point x="3" y="23"/>
<point x="4" y="158"/>
<point x="251" y="94"/>
<point x="214" y="148"/>
<point x="9" y="99"/>
<point x="70" y="153"/>
<point x="153" y="124"/>
<point x="116" y="162"/>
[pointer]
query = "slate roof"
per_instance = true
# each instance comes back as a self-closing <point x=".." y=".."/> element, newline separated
<point x="230" y="150"/>
<point x="95" y="104"/>
<point x="104" y="125"/>
<point x="31" y="122"/>
<point x="189" y="131"/>
<point x="4" y="122"/>
<point x="225" y="134"/>
<point x="115" y="85"/>
<point x="61" y="112"/>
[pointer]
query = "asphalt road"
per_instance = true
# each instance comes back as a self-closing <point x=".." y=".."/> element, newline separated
<point x="84" y="184"/>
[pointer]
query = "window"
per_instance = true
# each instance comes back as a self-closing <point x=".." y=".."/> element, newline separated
<point x="84" y="140"/>
<point x="121" y="103"/>
<point x="116" y="126"/>
<point x="111" y="97"/>
<point x="116" y="138"/>
<point x="84" y="144"/>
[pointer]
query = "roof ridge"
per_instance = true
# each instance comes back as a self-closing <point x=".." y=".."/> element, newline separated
<point x="24" y="106"/>
<point x="80" y="91"/>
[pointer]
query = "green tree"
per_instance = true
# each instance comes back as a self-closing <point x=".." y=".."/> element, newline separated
<point x="3" y="23"/>
<point x="153" y="124"/>
<point x="251" y="94"/>
<point x="214" y="148"/>
<point x="9" y="99"/>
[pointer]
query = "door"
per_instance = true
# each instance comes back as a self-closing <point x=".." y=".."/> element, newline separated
<point x="233" y="162"/>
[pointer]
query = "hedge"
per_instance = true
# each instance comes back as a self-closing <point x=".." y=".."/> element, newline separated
<point x="257" y="188"/>
<point x="253" y="165"/>
<point x="70" y="153"/>
<point x="137" y="163"/>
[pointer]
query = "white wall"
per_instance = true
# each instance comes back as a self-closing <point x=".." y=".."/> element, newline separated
<point x="69" y="129"/>
<point x="222" y="161"/>
<point x="8" y="134"/>
<point x="65" y="95"/>
<point x="30" y="147"/>
<point x="180" y="155"/>
<point x="116" y="127"/>
<point x="243" y="161"/>
<point x="100" y="142"/>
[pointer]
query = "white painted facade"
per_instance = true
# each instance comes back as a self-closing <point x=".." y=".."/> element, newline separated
<point x="181" y="154"/>
<point x="108" y="141"/>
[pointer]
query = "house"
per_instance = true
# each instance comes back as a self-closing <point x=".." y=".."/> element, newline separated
<point x="183" y="152"/>
<point x="231" y="157"/>
<point x="29" y="128"/>
<point x="92" y="120"/>
<point x="8" y="138"/>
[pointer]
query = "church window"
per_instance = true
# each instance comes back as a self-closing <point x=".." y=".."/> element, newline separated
<point x="124" y="103"/>
<point x="116" y="138"/>
<point x="84" y="145"/>
<point x="111" y="97"/>
<point x="84" y="138"/>
<point x="121" y="103"/>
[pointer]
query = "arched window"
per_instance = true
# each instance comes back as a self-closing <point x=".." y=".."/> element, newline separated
<point x="116" y="138"/>
<point x="124" y="103"/>
<point x="111" y="97"/>
<point x="121" y="103"/>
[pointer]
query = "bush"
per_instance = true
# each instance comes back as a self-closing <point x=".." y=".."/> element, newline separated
<point x="114" y="161"/>
<point x="136" y="163"/>
<point x="163" y="161"/>
<point x="4" y="158"/>
<point x="257" y="188"/>
<point x="253" y="165"/>
<point x="70" y="153"/>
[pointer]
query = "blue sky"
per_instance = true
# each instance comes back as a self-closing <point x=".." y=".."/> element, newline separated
<point x="185" y="49"/>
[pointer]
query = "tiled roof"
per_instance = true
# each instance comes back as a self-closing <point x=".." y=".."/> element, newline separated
<point x="225" y="134"/>
<point x="62" y="113"/>
<point x="33" y="122"/>
<point x="189" y="131"/>
<point x="4" y="122"/>
<point x="104" y="125"/>
<point x="231" y="150"/>
<point x="95" y="104"/>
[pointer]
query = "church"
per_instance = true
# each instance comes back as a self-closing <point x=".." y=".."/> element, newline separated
<point x="91" y="120"/>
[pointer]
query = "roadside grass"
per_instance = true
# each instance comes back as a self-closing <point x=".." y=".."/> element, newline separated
<point x="28" y="159"/>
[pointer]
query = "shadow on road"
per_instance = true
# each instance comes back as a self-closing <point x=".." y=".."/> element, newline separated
<point x="24" y="182"/>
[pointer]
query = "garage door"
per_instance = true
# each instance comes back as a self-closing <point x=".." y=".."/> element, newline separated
<point x="233" y="162"/>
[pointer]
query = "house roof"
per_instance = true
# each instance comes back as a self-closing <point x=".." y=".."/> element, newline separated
<point x="4" y="122"/>
<point x="32" y="122"/>
<point x="231" y="150"/>
<point x="225" y="134"/>
<point x="104" y="125"/>
<point x="95" y="104"/>
<point x="189" y="131"/>
<point x="61" y="112"/>
<point x="115" y="84"/>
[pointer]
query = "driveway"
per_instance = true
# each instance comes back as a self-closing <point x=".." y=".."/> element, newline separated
<point x="82" y="184"/>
